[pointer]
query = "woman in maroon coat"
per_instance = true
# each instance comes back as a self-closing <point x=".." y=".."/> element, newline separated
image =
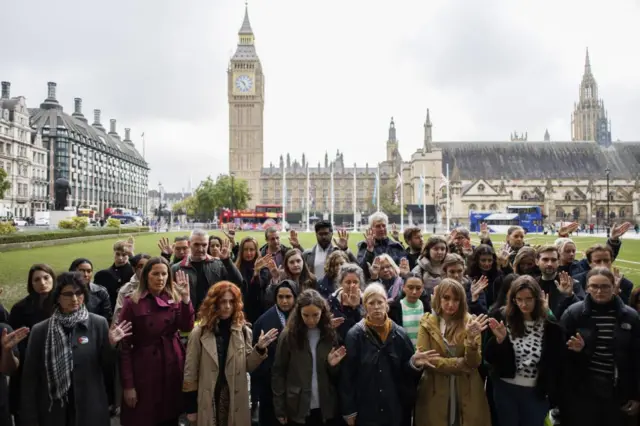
<point x="152" y="360"/>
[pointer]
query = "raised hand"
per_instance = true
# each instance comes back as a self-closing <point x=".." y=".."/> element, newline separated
<point x="503" y="255"/>
<point x="343" y="239"/>
<point x="425" y="358"/>
<point x="118" y="332"/>
<point x="261" y="263"/>
<point x="337" y="322"/>
<point x="498" y="329"/>
<point x="545" y="300"/>
<point x="617" y="276"/>
<point x="370" y="239"/>
<point x="484" y="231"/>
<point x="165" y="247"/>
<point x="230" y="232"/>
<point x="267" y="338"/>
<point x="10" y="340"/>
<point x="181" y="282"/>
<point x="273" y="270"/>
<point x="336" y="355"/>
<point x="225" y="249"/>
<point x="477" y="287"/>
<point x="476" y="325"/>
<point x="293" y="239"/>
<point x="374" y="269"/>
<point x="452" y="237"/>
<point x="404" y="267"/>
<point x="576" y="343"/>
<point x="350" y="298"/>
<point x="395" y="234"/>
<point x="568" y="229"/>
<point x="619" y="231"/>
<point x="565" y="284"/>
<point x="130" y="397"/>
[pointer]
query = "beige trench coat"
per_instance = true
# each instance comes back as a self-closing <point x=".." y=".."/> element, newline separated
<point x="201" y="373"/>
<point x="433" y="391"/>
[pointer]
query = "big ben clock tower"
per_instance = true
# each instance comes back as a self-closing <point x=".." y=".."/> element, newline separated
<point x="246" y="108"/>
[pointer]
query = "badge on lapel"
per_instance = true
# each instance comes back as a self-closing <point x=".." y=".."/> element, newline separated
<point x="83" y="340"/>
<point x="625" y="326"/>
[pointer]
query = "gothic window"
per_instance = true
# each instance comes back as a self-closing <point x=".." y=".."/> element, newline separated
<point x="483" y="208"/>
<point x="481" y="188"/>
<point x="525" y="196"/>
<point x="473" y="207"/>
<point x="559" y="213"/>
<point x="611" y="196"/>
<point x="567" y="196"/>
<point x="493" y="207"/>
<point x="623" y="212"/>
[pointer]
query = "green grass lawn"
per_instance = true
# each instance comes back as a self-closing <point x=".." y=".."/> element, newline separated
<point x="14" y="265"/>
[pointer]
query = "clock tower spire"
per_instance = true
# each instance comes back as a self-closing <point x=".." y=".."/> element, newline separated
<point x="245" y="93"/>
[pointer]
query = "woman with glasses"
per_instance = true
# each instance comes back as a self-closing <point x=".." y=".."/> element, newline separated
<point x="67" y="358"/>
<point x="526" y="356"/>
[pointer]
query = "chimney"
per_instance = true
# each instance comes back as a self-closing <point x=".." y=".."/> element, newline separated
<point x="112" y="126"/>
<point x="96" y="119"/>
<point x="6" y="90"/>
<point x="77" y="106"/>
<point x="127" y="134"/>
<point x="51" y="93"/>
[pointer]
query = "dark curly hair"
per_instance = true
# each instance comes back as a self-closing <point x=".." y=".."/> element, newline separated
<point x="297" y="329"/>
<point x="208" y="313"/>
<point x="473" y="267"/>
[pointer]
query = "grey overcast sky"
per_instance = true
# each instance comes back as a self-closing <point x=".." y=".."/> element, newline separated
<point x="336" y="71"/>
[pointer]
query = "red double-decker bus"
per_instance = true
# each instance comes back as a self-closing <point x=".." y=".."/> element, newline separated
<point x="262" y="216"/>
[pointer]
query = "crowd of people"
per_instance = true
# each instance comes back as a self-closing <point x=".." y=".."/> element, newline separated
<point x="399" y="333"/>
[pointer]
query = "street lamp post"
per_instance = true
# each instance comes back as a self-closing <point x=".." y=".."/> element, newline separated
<point x="233" y="192"/>
<point x="608" y="172"/>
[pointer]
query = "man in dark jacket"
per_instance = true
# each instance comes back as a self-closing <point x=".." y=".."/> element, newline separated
<point x="204" y="270"/>
<point x="561" y="289"/>
<point x="119" y="273"/>
<point x="273" y="246"/>
<point x="316" y="256"/>
<point x="377" y="242"/>
<point x="603" y="369"/>
<point x="179" y="249"/>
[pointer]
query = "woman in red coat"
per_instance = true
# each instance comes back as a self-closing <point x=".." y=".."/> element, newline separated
<point x="152" y="360"/>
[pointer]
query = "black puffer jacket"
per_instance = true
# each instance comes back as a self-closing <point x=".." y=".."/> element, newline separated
<point x="99" y="302"/>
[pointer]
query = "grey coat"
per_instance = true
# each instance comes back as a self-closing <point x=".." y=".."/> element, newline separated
<point x="91" y="361"/>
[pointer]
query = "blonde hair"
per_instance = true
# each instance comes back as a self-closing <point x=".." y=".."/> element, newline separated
<point x="169" y="289"/>
<point x="124" y="245"/>
<point x="372" y="290"/>
<point x="456" y="330"/>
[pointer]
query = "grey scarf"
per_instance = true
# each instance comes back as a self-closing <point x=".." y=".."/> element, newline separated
<point x="58" y="354"/>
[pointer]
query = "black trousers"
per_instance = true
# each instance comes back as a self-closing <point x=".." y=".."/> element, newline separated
<point x="313" y="419"/>
<point x="589" y="410"/>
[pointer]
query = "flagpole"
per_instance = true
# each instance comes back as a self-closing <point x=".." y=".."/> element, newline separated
<point x="401" y="203"/>
<point x="144" y="150"/>
<point x="308" y="198"/>
<point x="448" y="200"/>
<point x="355" y="198"/>
<point x="378" y="191"/>
<point x="333" y="198"/>
<point x="284" y="197"/>
<point x="424" y="198"/>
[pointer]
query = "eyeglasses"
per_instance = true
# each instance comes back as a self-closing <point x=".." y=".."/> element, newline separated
<point x="70" y="294"/>
<point x="601" y="287"/>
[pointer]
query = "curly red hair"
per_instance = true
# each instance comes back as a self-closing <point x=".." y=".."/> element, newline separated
<point x="208" y="313"/>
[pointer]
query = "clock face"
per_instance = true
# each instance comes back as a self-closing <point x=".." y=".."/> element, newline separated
<point x="244" y="83"/>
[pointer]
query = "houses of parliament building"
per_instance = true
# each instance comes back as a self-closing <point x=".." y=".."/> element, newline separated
<point x="567" y="179"/>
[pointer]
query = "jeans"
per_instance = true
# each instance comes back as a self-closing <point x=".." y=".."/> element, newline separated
<point x="519" y="405"/>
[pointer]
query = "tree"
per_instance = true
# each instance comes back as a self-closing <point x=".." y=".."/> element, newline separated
<point x="223" y="190"/>
<point x="205" y="199"/>
<point x="5" y="184"/>
<point x="187" y="206"/>
<point x="388" y="197"/>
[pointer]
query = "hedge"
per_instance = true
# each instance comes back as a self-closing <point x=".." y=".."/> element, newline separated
<point x="45" y="236"/>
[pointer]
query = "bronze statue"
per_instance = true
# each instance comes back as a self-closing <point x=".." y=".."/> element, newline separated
<point x="61" y="189"/>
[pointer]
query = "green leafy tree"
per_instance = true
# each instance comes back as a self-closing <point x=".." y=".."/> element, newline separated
<point x="231" y="192"/>
<point x="187" y="206"/>
<point x="205" y="199"/>
<point x="5" y="184"/>
<point x="387" y="198"/>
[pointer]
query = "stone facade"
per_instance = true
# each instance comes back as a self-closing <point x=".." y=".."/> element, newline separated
<point x="23" y="157"/>
<point x="567" y="179"/>
<point x="103" y="169"/>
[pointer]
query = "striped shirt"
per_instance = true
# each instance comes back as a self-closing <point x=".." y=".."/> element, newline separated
<point x="411" y="314"/>
<point x="602" y="361"/>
